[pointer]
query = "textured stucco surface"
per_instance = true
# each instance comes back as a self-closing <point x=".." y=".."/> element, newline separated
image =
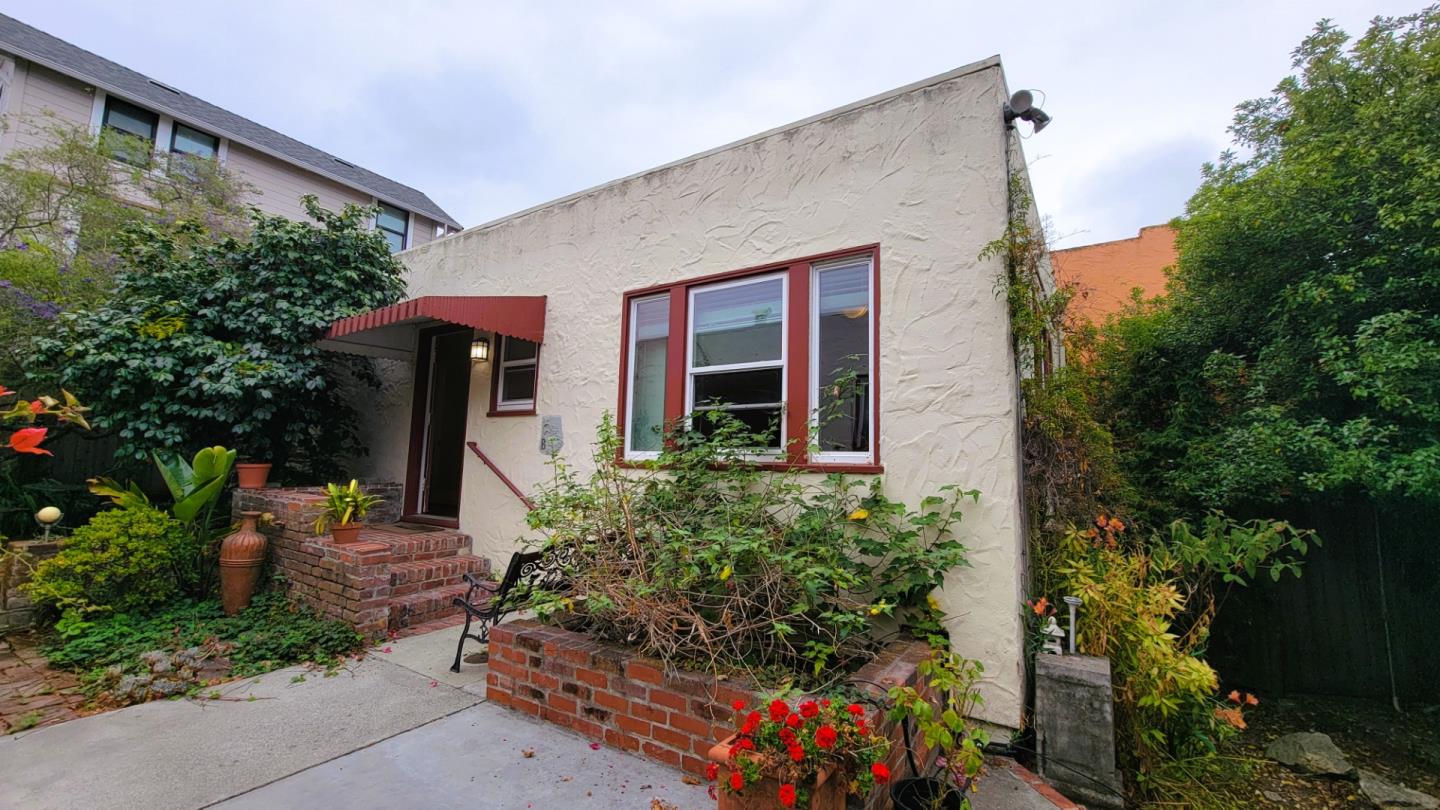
<point x="921" y="173"/>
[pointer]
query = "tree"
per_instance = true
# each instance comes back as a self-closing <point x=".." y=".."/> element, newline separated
<point x="1298" y="352"/>
<point x="215" y="344"/>
<point x="64" y="202"/>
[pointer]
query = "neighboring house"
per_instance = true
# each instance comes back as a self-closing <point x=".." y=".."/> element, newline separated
<point x="43" y="76"/>
<point x="1104" y="273"/>
<point x="746" y="274"/>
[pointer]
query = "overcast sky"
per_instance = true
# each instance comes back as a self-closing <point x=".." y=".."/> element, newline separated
<point x="490" y="108"/>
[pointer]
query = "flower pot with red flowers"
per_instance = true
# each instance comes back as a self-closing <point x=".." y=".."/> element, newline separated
<point x="941" y="713"/>
<point x="343" y="510"/>
<point x="808" y="756"/>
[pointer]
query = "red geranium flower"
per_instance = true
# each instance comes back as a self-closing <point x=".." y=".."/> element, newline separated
<point x="855" y="709"/>
<point x="712" y="771"/>
<point x="880" y="772"/>
<point x="825" y="702"/>
<point x="27" y="440"/>
<point x="794" y="721"/>
<point x="778" y="710"/>
<point x="787" y="736"/>
<point x="745" y="744"/>
<point x="37" y="407"/>
<point x="797" y="753"/>
<point x="787" y="795"/>
<point x="738" y="705"/>
<point x="825" y="736"/>
<point x="752" y="722"/>
<point x="809" y="709"/>
<point x="737" y="781"/>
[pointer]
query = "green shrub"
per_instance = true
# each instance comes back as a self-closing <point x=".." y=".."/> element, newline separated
<point x="123" y="560"/>
<point x="705" y="557"/>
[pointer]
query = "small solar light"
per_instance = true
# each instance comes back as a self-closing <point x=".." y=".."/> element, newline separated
<point x="47" y="517"/>
<point x="1073" y="602"/>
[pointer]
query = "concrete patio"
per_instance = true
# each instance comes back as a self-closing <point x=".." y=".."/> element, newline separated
<point x="394" y="729"/>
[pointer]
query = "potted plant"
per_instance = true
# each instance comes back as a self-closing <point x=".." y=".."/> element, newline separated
<point x="251" y="474"/>
<point x="941" y="713"/>
<point x="343" y="510"/>
<point x="808" y="756"/>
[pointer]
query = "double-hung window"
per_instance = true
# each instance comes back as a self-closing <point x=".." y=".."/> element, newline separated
<point x="515" y="375"/>
<point x="185" y="140"/>
<point x="393" y="224"/>
<point x="787" y="349"/>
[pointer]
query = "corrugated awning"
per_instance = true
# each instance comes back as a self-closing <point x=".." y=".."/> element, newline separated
<point x="391" y="331"/>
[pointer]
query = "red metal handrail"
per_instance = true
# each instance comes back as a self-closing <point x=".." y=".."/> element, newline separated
<point x="504" y="479"/>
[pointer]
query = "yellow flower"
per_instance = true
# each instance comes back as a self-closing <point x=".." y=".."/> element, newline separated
<point x="726" y="572"/>
<point x="934" y="603"/>
<point x="860" y="514"/>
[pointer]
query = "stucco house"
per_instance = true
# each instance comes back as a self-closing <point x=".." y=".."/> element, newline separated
<point x="44" y="79"/>
<point x="742" y="277"/>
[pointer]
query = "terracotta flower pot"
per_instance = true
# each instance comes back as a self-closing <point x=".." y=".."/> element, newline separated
<point x="346" y="533"/>
<point x="251" y="476"/>
<point x="825" y="794"/>
<point x="242" y="553"/>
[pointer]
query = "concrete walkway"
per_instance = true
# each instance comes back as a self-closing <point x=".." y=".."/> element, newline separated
<point x="394" y="730"/>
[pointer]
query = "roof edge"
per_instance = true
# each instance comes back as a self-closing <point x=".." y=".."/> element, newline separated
<point x="965" y="70"/>
<point x="112" y="90"/>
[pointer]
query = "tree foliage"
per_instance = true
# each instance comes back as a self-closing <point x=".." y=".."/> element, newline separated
<point x="1298" y="353"/>
<point x="214" y="342"/>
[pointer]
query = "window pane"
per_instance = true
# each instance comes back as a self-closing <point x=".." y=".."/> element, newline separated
<point x="396" y="241"/>
<point x="764" y="421"/>
<point x="650" y="330"/>
<point x="194" y="142"/>
<point x="755" y="387"/>
<point x="516" y="349"/>
<point x="392" y="219"/>
<point x="843" y="358"/>
<point x="517" y="384"/>
<point x="130" y="119"/>
<point x="740" y="324"/>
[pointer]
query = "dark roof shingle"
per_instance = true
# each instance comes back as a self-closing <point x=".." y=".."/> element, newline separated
<point x="37" y="46"/>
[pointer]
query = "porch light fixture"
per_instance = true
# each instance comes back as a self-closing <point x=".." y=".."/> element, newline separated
<point x="1022" y="105"/>
<point x="480" y="350"/>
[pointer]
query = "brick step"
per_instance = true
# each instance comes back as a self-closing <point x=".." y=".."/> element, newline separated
<point x="423" y="575"/>
<point x="408" y="546"/>
<point x="425" y="606"/>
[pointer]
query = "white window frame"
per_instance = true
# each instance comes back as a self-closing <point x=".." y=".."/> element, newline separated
<point x="866" y="456"/>
<point x="501" y="404"/>
<point x="761" y="453"/>
<point x="640" y="455"/>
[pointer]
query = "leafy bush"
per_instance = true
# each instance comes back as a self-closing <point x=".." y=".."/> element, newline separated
<point x="269" y="634"/>
<point x="706" y="557"/>
<point x="122" y="560"/>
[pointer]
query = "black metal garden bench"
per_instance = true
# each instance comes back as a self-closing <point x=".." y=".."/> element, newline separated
<point x="527" y="572"/>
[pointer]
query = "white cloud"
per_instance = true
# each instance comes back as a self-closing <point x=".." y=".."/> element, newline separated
<point x="492" y="107"/>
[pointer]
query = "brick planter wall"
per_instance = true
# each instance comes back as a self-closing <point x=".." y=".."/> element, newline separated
<point x="16" y="610"/>
<point x="610" y="694"/>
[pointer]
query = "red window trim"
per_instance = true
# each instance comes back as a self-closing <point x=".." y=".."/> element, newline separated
<point x="494" y="410"/>
<point x="797" y="394"/>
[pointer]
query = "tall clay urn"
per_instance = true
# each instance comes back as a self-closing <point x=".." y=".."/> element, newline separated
<point x="242" y="553"/>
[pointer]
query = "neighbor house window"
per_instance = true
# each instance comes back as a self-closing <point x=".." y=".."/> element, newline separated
<point x="787" y="349"/>
<point x="647" y="357"/>
<point x="516" y="375"/>
<point x="394" y="224"/>
<point x="190" y="141"/>
<point x="126" y="119"/>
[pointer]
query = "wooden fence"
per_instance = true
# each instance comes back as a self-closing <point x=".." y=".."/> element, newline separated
<point x="1360" y="621"/>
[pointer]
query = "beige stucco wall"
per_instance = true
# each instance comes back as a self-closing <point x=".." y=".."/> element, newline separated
<point x="921" y="173"/>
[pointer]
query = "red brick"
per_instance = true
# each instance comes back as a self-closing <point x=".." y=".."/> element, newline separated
<point x="562" y="704"/>
<point x="669" y="700"/>
<point x="689" y="725"/>
<point x="615" y="739"/>
<point x="672" y="738"/>
<point x="637" y="671"/>
<point x="694" y="765"/>
<point x="662" y="754"/>
<point x="544" y="681"/>
<point x="557" y="717"/>
<point x="645" y="711"/>
<point x="592" y="677"/>
<point x="612" y="702"/>
<point x="527" y="706"/>
<point x="633" y="726"/>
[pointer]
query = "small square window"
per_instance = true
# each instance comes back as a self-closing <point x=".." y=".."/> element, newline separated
<point x="190" y="141"/>
<point x="516" y="376"/>
<point x="134" y="130"/>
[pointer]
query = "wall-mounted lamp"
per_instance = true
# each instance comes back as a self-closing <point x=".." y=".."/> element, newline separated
<point x="48" y="517"/>
<point x="480" y="350"/>
<point x="1022" y="105"/>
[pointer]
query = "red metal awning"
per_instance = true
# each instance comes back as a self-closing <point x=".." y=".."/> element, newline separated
<point x="390" y="331"/>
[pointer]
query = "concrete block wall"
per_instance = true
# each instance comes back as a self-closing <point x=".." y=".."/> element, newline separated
<point x="16" y="610"/>
<point x="613" y="695"/>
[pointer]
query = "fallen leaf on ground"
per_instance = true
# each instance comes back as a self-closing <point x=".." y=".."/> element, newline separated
<point x="691" y="780"/>
<point x="527" y="752"/>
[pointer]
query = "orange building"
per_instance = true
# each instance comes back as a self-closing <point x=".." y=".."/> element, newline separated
<point x="1105" y="273"/>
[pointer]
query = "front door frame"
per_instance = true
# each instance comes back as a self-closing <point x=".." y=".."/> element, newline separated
<point x="419" y="411"/>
